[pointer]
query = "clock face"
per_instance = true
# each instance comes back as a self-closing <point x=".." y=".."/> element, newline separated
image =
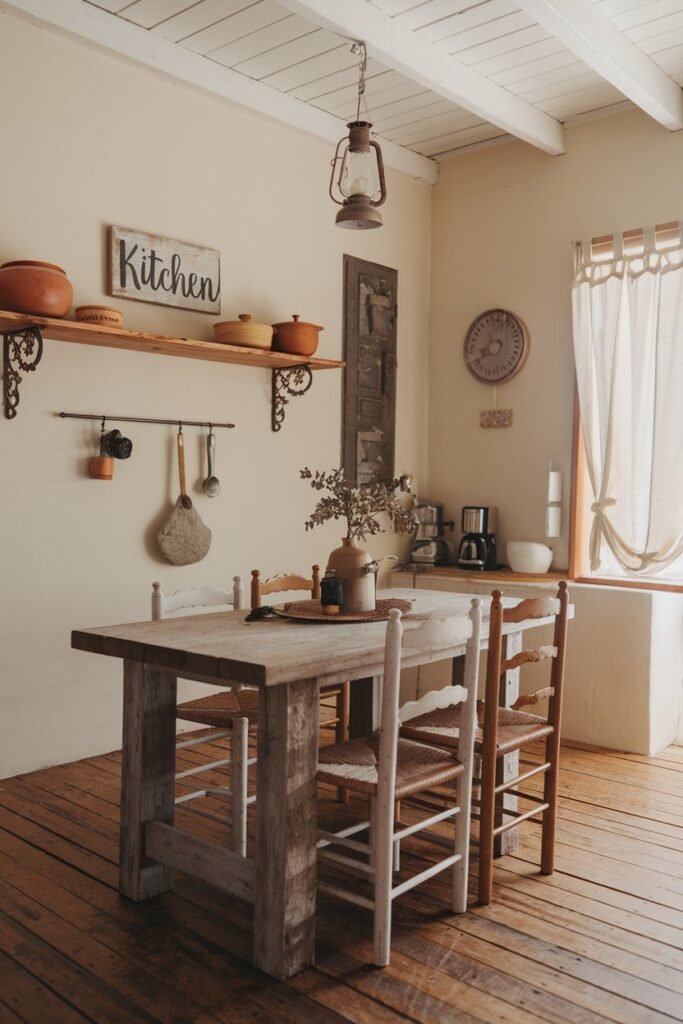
<point x="496" y="346"/>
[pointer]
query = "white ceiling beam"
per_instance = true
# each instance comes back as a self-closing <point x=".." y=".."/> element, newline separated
<point x="602" y="46"/>
<point x="80" y="20"/>
<point x="406" y="52"/>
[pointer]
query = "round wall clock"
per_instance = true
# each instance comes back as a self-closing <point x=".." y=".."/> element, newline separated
<point x="496" y="346"/>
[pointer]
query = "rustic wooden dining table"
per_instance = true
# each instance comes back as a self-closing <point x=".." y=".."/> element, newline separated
<point x="288" y="661"/>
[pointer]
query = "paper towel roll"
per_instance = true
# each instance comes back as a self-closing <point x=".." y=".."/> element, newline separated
<point x="553" y="520"/>
<point x="554" y="485"/>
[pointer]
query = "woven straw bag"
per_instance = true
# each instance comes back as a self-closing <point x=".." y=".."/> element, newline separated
<point x="184" y="538"/>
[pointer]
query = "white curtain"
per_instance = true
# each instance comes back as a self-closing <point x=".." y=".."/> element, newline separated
<point x="628" y="347"/>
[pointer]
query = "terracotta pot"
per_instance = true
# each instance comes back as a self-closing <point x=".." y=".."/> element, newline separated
<point x="295" y="337"/>
<point x="41" y="289"/>
<point x="244" y="332"/>
<point x="357" y="569"/>
<point x="101" y="467"/>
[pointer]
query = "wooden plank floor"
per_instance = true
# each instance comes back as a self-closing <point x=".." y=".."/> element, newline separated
<point x="600" y="940"/>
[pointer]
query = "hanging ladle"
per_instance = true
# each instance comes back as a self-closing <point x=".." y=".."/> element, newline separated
<point x="211" y="486"/>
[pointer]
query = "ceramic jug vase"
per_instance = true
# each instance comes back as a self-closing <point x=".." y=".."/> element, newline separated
<point x="358" y="570"/>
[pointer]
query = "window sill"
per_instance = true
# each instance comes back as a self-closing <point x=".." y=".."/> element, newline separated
<point x="600" y="581"/>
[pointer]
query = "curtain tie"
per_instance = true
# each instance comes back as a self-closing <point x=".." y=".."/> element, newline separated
<point x="598" y="507"/>
<point x="598" y="528"/>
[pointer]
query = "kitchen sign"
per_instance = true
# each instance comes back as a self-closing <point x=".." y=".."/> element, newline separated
<point x="162" y="270"/>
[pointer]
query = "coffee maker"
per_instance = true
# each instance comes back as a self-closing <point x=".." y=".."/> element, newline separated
<point x="429" y="547"/>
<point x="477" y="549"/>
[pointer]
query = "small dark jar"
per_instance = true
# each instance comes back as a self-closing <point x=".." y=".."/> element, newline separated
<point x="331" y="593"/>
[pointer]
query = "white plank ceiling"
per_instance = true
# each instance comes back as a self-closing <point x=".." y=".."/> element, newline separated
<point x="264" y="41"/>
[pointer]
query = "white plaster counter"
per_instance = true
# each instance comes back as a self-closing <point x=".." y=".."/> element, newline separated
<point x="624" y="683"/>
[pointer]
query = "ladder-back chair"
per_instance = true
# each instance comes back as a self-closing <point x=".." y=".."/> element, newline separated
<point x="231" y="713"/>
<point x="504" y="730"/>
<point x="334" y="698"/>
<point x="511" y="729"/>
<point x="388" y="769"/>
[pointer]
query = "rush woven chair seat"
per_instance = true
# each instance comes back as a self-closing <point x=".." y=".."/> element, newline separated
<point x="232" y="713"/>
<point x="356" y="765"/>
<point x="442" y="727"/>
<point x="387" y="769"/>
<point x="221" y="709"/>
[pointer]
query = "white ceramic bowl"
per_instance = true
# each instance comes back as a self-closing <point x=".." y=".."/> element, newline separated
<point x="527" y="556"/>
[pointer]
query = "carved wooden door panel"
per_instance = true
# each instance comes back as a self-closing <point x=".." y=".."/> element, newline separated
<point x="370" y="308"/>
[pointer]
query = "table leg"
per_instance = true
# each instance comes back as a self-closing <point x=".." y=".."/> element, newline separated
<point x="458" y="671"/>
<point x="364" y="706"/>
<point x="508" y="767"/>
<point x="147" y="775"/>
<point x="286" y="822"/>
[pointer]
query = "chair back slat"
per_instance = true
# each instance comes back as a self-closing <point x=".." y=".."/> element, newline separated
<point x="435" y="700"/>
<point x="282" y="583"/>
<point x="278" y="584"/>
<point x="532" y="608"/>
<point x="437" y="632"/>
<point x="525" y="657"/>
<point x="525" y="699"/>
<point x="195" y="597"/>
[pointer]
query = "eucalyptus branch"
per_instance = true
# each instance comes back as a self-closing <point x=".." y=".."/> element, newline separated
<point x="357" y="506"/>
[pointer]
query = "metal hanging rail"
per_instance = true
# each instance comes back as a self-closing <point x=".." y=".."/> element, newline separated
<point x="144" y="419"/>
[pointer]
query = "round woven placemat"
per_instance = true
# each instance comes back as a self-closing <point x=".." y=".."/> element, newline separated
<point x="311" y="611"/>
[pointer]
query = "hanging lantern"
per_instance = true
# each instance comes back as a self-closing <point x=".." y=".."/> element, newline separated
<point x="357" y="181"/>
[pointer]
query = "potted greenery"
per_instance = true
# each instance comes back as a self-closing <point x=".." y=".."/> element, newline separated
<point x="360" y="508"/>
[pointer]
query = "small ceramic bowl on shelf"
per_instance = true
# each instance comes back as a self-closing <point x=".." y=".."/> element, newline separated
<point x="244" y="332"/>
<point x="101" y="315"/>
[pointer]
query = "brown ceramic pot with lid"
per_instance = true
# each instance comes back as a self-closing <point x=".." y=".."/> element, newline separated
<point x="296" y="337"/>
<point x="29" y="286"/>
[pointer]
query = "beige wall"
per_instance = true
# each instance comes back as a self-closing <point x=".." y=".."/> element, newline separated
<point x="90" y="141"/>
<point x="504" y="220"/>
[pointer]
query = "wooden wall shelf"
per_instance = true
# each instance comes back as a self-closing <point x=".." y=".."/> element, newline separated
<point x="23" y="347"/>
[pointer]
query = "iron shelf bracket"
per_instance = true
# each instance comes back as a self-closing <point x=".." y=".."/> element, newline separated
<point x="290" y="383"/>
<point x="21" y="352"/>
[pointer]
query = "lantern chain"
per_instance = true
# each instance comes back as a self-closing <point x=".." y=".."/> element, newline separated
<point x="361" y="51"/>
